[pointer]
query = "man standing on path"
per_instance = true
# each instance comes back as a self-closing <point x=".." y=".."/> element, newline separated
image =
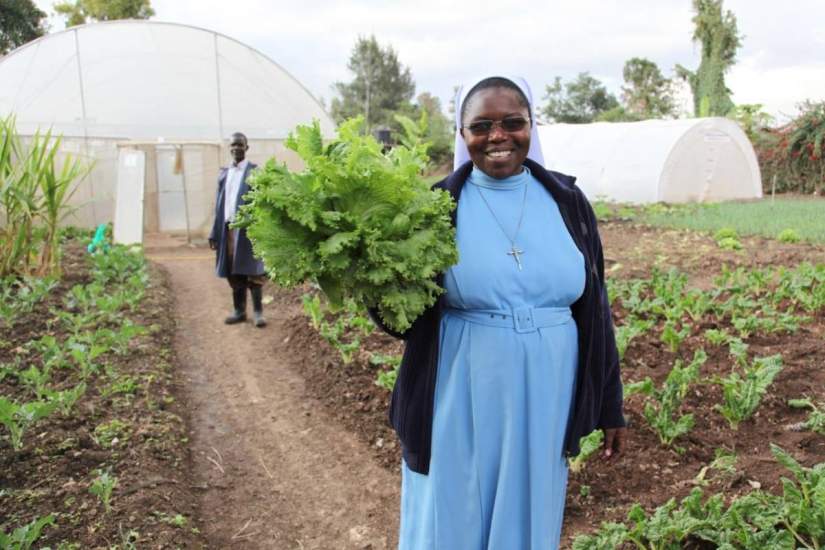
<point x="235" y="260"/>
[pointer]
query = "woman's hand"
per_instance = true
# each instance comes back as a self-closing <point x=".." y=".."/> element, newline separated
<point x="614" y="440"/>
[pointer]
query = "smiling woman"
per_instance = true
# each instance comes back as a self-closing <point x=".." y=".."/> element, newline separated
<point x="517" y="360"/>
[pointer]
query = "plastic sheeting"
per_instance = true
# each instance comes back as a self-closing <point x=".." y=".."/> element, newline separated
<point x="149" y="80"/>
<point x="169" y="88"/>
<point x="687" y="160"/>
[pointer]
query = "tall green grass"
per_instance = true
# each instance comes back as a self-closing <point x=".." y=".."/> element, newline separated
<point x="34" y="200"/>
<point x="766" y="217"/>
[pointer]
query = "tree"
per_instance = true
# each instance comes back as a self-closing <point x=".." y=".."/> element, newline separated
<point x="381" y="85"/>
<point x="646" y="94"/>
<point x="440" y="130"/>
<point x="78" y="12"/>
<point x="20" y="22"/>
<point x="717" y="33"/>
<point x="579" y="101"/>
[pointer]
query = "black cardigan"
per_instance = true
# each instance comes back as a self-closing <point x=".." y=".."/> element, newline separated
<point x="598" y="392"/>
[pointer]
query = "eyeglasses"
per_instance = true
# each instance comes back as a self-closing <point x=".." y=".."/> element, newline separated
<point x="509" y="124"/>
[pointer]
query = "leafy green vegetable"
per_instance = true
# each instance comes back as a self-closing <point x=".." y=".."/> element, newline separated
<point x="742" y="394"/>
<point x="589" y="444"/>
<point x="758" y="520"/>
<point x="663" y="404"/>
<point x="360" y="223"/>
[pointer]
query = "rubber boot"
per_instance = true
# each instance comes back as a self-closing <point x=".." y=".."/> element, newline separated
<point x="257" y="306"/>
<point x="239" y="299"/>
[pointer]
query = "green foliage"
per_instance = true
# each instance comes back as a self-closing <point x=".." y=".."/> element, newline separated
<point x="579" y="101"/>
<point x="646" y="94"/>
<point x="716" y="32"/>
<point x="20" y="21"/>
<point x="386" y="378"/>
<point x="765" y="217"/>
<point x="752" y="119"/>
<point x="359" y="223"/>
<point x="19" y="417"/>
<point x="758" y="520"/>
<point x="21" y="296"/>
<point x="589" y="445"/>
<point x="342" y="327"/>
<point x="626" y="332"/>
<point x="816" y="419"/>
<point x="111" y="434"/>
<point x="791" y="157"/>
<point x="727" y="239"/>
<point x="673" y="335"/>
<point x="23" y="538"/>
<point x="724" y="463"/>
<point x="312" y="309"/>
<point x="663" y="404"/>
<point x="380" y="86"/>
<point x="788" y="236"/>
<point x="743" y="392"/>
<point x="78" y="12"/>
<point x="34" y="199"/>
<point x="433" y="127"/>
<point x="102" y="486"/>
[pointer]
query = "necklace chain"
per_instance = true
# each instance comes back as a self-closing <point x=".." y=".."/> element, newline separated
<point x="514" y="252"/>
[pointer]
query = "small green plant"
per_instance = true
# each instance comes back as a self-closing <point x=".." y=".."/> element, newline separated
<point x="662" y="405"/>
<point x="627" y="332"/>
<point x="112" y="433"/>
<point x="788" y="236"/>
<point x="102" y="486"/>
<point x="589" y="445"/>
<point x="729" y="243"/>
<point x="178" y="520"/>
<point x="725" y="233"/>
<point x="742" y="393"/>
<point x="674" y="337"/>
<point x="816" y="418"/>
<point x="724" y="463"/>
<point x="312" y="309"/>
<point x="758" y="520"/>
<point x="386" y="378"/>
<point x="17" y="417"/>
<point x="23" y="538"/>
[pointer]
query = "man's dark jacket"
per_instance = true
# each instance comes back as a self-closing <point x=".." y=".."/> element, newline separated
<point x="598" y="392"/>
<point x="244" y="261"/>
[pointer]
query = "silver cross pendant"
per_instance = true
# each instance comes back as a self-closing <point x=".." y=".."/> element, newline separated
<point x="516" y="254"/>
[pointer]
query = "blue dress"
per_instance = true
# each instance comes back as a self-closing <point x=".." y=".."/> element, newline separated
<point x="507" y="364"/>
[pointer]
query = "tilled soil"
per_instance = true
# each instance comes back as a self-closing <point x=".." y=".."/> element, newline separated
<point x="152" y="505"/>
<point x="648" y="473"/>
<point x="275" y="468"/>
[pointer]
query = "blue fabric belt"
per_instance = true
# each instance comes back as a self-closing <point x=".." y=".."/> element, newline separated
<point x="522" y="319"/>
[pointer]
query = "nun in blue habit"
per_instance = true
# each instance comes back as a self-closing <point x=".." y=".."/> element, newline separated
<point x="485" y="465"/>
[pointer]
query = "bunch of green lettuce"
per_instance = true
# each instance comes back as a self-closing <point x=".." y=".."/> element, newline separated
<point x="359" y="222"/>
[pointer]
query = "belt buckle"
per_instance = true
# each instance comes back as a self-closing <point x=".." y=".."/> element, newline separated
<point x="524" y="320"/>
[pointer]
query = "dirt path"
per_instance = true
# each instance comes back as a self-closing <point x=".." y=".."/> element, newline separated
<point x="274" y="470"/>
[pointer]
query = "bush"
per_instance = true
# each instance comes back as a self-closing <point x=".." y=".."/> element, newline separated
<point x="792" y="155"/>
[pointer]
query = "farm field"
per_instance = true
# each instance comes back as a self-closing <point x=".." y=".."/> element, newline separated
<point x="94" y="439"/>
<point x="712" y="455"/>
<point x="232" y="437"/>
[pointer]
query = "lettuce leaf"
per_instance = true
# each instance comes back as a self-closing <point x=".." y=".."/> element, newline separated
<point x="360" y="223"/>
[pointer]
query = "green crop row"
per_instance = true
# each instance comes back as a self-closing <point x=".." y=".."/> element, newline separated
<point x="344" y="328"/>
<point x="758" y="520"/>
<point x="91" y="315"/>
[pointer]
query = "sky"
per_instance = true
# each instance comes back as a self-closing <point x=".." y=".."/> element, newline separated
<point x="446" y="42"/>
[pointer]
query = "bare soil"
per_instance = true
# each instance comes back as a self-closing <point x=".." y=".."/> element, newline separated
<point x="53" y="471"/>
<point x="263" y="438"/>
<point x="275" y="468"/>
<point x="647" y="473"/>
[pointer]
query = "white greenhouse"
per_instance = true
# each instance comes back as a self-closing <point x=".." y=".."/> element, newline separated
<point x="152" y="106"/>
<point x="675" y="161"/>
